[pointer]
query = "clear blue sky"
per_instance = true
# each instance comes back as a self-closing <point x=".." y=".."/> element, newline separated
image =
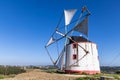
<point x="26" y="26"/>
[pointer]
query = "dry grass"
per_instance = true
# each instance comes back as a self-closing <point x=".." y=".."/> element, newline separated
<point x="37" y="74"/>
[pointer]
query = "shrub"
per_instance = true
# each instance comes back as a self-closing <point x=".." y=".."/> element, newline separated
<point x="11" y="70"/>
<point x="118" y="72"/>
<point x="87" y="78"/>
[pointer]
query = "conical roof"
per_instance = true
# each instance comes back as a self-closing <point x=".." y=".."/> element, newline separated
<point x="78" y="39"/>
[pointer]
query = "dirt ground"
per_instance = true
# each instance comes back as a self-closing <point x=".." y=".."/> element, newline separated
<point x="38" y="74"/>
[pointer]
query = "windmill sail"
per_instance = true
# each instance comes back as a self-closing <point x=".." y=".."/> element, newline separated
<point x="78" y="54"/>
<point x="69" y="15"/>
<point x="82" y="27"/>
<point x="60" y="62"/>
<point x="52" y="40"/>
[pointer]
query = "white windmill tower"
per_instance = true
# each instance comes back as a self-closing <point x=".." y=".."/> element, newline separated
<point x="80" y="54"/>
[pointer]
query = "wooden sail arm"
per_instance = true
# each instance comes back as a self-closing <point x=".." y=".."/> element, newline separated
<point x="71" y="40"/>
<point x="77" y="60"/>
<point x="59" y="56"/>
<point x="56" y="29"/>
<point x="54" y="62"/>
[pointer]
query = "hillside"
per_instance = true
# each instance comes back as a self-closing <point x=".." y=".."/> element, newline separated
<point x="37" y="74"/>
<point x="32" y="73"/>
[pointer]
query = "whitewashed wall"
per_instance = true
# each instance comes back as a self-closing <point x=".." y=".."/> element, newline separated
<point x="88" y="63"/>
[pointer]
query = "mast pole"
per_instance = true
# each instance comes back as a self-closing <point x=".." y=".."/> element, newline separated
<point x="64" y="48"/>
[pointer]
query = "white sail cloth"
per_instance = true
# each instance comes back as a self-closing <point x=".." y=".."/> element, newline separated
<point x="82" y="27"/>
<point x="69" y="15"/>
<point x="52" y="40"/>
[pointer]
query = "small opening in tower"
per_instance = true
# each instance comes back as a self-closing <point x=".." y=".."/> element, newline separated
<point x="74" y="56"/>
<point x="75" y="45"/>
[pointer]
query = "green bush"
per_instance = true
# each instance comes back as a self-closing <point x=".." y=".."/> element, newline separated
<point x="1" y="76"/>
<point x="118" y="72"/>
<point x="11" y="70"/>
<point x="87" y="78"/>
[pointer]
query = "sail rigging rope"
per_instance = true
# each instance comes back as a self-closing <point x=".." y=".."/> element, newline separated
<point x="75" y="20"/>
<point x="76" y="61"/>
<point x="57" y="46"/>
<point x="78" y="44"/>
<point x="115" y="58"/>
<point x="66" y="33"/>
<point x="57" y="25"/>
<point x="75" y="41"/>
<point x="70" y="23"/>
<point x="49" y="55"/>
<point x="60" y="55"/>
<point x="60" y="20"/>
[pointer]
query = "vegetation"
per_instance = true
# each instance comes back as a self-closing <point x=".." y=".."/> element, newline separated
<point x="8" y="70"/>
<point x="6" y="76"/>
<point x="1" y="76"/>
<point x="98" y="76"/>
<point x="118" y="72"/>
<point x="110" y="70"/>
<point x="11" y="71"/>
<point x="49" y="69"/>
<point x="87" y="78"/>
<point x="106" y="71"/>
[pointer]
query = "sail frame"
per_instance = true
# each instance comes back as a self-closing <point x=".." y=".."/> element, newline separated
<point x="68" y="20"/>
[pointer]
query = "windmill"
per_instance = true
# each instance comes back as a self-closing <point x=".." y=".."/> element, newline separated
<point x="78" y="54"/>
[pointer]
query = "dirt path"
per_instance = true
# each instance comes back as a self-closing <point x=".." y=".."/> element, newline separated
<point x="37" y="74"/>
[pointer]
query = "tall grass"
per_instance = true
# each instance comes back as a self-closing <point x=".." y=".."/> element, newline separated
<point x="8" y="70"/>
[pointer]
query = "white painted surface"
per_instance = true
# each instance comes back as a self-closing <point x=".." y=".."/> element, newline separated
<point x="90" y="61"/>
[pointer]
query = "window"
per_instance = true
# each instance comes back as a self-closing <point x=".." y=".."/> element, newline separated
<point x="75" y="45"/>
<point x="74" y="56"/>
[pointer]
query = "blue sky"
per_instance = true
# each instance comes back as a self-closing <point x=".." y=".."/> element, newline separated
<point x="26" y="26"/>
